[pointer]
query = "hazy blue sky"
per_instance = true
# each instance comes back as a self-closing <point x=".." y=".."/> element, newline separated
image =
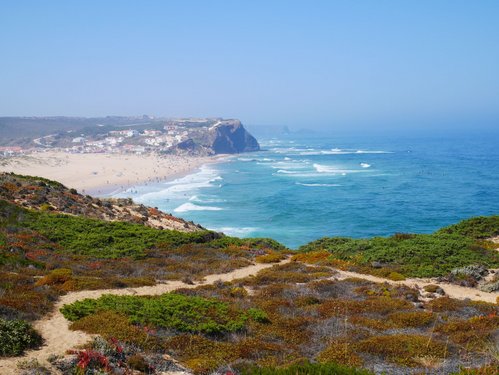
<point x="300" y="63"/>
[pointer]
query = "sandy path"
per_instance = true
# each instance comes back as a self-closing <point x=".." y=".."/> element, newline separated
<point x="453" y="291"/>
<point x="59" y="338"/>
<point x="54" y="328"/>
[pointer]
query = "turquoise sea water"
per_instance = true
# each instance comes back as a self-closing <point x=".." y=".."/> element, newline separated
<point x="302" y="188"/>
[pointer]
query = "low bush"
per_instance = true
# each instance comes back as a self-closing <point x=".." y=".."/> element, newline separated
<point x="312" y="257"/>
<point x="110" y="324"/>
<point x="480" y="227"/>
<point x="412" y="319"/>
<point x="16" y="336"/>
<point x="200" y="354"/>
<point x="271" y="257"/>
<point x="56" y="277"/>
<point x="288" y="273"/>
<point x="395" y="276"/>
<point x="175" y="311"/>
<point x="373" y="305"/>
<point x="342" y="352"/>
<point x="402" y="349"/>
<point x="418" y="255"/>
<point x="474" y="333"/>
<point x="303" y="369"/>
<point x="445" y="304"/>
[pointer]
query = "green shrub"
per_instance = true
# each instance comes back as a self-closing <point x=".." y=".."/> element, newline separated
<point x="104" y="239"/>
<point x="176" y="311"/>
<point x="480" y="227"/>
<point x="418" y="255"/>
<point x="16" y="336"/>
<point x="258" y="315"/>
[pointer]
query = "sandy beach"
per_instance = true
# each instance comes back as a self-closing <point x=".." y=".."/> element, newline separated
<point x="102" y="174"/>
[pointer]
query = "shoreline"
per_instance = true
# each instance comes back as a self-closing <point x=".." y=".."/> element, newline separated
<point x="102" y="174"/>
<point x="108" y="191"/>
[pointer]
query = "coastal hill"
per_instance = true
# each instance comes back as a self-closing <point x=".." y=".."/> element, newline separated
<point x="92" y="286"/>
<point x="114" y="134"/>
<point x="46" y="195"/>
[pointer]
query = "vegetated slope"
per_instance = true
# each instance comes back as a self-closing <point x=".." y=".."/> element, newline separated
<point x="415" y="255"/>
<point x="41" y="194"/>
<point x="478" y="228"/>
<point x="45" y="253"/>
<point x="292" y="316"/>
<point x="295" y="319"/>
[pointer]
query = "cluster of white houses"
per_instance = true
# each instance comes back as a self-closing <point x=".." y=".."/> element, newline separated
<point x="131" y="141"/>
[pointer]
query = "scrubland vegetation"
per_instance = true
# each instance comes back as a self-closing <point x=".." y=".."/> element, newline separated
<point x="44" y="254"/>
<point x="411" y="255"/>
<point x="294" y="318"/>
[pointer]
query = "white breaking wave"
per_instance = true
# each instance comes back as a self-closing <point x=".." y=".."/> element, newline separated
<point x="235" y="231"/>
<point x="328" y="169"/>
<point x="286" y="172"/>
<point x="325" y="169"/>
<point x="198" y="199"/>
<point x="317" y="185"/>
<point x="372" y="152"/>
<point x="192" y="207"/>
<point x="365" y="165"/>
<point x="338" y="151"/>
<point x="180" y="187"/>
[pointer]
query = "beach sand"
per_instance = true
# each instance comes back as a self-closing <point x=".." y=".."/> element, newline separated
<point x="102" y="174"/>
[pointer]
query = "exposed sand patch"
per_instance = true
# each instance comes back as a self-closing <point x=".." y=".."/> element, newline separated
<point x="103" y="173"/>
<point x="496" y="241"/>
<point x="54" y="328"/>
<point x="451" y="290"/>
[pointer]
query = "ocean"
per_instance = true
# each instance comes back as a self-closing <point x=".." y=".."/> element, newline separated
<point x="304" y="187"/>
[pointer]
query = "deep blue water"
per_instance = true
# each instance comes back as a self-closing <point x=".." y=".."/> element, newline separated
<point x="302" y="188"/>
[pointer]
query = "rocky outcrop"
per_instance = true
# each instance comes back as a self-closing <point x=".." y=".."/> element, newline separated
<point x="45" y="195"/>
<point x="230" y="137"/>
<point x="223" y="137"/>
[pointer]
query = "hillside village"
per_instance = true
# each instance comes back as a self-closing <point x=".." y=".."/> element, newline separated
<point x="161" y="137"/>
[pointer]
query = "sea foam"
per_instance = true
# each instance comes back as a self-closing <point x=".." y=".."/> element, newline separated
<point x="193" y="207"/>
<point x="317" y="185"/>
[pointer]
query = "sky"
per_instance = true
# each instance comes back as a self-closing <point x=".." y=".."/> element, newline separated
<point x="350" y="64"/>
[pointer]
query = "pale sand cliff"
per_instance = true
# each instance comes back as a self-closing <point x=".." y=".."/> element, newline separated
<point x="100" y="174"/>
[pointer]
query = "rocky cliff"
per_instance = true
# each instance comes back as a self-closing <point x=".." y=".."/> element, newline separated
<point x="223" y="137"/>
<point x="230" y="137"/>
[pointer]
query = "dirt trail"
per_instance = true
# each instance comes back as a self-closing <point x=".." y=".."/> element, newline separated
<point x="451" y="290"/>
<point x="54" y="328"/>
<point x="58" y="337"/>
